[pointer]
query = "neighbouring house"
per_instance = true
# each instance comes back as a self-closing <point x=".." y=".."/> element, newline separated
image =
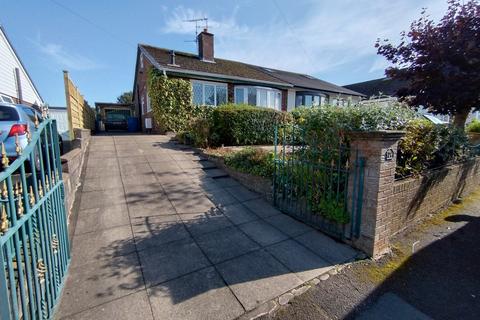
<point x="105" y="108"/>
<point x="218" y="81"/>
<point x="383" y="91"/>
<point x="16" y="86"/>
<point x="61" y="116"/>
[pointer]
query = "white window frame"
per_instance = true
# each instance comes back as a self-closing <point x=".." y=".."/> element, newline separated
<point x="214" y="84"/>
<point x="149" y="106"/>
<point x="269" y="102"/>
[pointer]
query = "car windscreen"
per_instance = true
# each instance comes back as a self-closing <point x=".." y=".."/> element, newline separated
<point x="115" y="117"/>
<point x="8" y="114"/>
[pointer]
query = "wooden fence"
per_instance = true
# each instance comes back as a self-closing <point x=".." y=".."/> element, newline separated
<point x="80" y="114"/>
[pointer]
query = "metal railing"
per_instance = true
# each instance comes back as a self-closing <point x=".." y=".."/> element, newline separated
<point x="318" y="184"/>
<point x="34" y="246"/>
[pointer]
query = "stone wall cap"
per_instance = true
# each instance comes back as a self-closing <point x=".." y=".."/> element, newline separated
<point x="377" y="135"/>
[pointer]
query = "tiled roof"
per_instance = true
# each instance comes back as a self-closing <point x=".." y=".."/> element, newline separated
<point x="309" y="82"/>
<point x="385" y="86"/>
<point x="190" y="62"/>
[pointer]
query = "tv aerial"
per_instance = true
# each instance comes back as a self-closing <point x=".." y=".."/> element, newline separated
<point x="200" y="23"/>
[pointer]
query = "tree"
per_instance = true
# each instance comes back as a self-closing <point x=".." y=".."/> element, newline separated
<point x="126" y="97"/>
<point x="440" y="62"/>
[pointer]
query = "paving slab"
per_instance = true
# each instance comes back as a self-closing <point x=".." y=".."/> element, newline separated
<point x="136" y="168"/>
<point x="201" y="295"/>
<point x="205" y="222"/>
<point x="170" y="261"/>
<point x="132" y="160"/>
<point x="98" y="155"/>
<point x="288" y="225"/>
<point x="262" y="232"/>
<point x="238" y="213"/>
<point x="97" y="219"/>
<point x="98" y="282"/>
<point x="226" y="182"/>
<point x="262" y="208"/>
<point x="191" y="203"/>
<point x="136" y="179"/>
<point x="220" y="197"/>
<point x="171" y="176"/>
<point x="160" y="207"/>
<point x="103" y="171"/>
<point x="133" y="306"/>
<point x="257" y="277"/>
<point x="103" y="244"/>
<point x="327" y="248"/>
<point x="102" y="199"/>
<point x="242" y="193"/>
<point x="157" y="230"/>
<point x="300" y="260"/>
<point x="225" y="244"/>
<point x="102" y="183"/>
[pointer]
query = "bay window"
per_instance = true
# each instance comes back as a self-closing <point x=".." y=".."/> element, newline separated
<point x="258" y="96"/>
<point x="209" y="93"/>
<point x="309" y="99"/>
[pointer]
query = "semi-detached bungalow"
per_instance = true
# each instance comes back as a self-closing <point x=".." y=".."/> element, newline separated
<point x="217" y="81"/>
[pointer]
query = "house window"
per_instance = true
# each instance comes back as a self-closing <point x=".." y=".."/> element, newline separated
<point x="239" y="95"/>
<point x="141" y="61"/>
<point x="142" y="101"/>
<point x="209" y="93"/>
<point x="259" y="96"/>
<point x="309" y="99"/>
<point x="149" y="106"/>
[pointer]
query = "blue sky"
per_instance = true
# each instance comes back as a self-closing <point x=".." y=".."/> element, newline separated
<point x="96" y="40"/>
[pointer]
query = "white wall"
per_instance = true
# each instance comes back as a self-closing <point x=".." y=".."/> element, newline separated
<point x="8" y="62"/>
<point x="62" y="121"/>
<point x="291" y="100"/>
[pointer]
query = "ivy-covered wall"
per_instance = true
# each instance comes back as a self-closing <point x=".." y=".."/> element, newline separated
<point x="171" y="102"/>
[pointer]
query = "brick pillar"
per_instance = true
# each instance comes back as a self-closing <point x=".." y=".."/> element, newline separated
<point x="284" y="99"/>
<point x="230" y="93"/>
<point x="379" y="149"/>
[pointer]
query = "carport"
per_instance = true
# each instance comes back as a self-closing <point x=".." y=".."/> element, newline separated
<point x="105" y="108"/>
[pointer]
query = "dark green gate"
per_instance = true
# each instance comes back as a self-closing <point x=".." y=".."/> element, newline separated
<point x="321" y="185"/>
<point x="34" y="248"/>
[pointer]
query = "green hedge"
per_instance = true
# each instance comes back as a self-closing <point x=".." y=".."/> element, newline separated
<point x="244" y="125"/>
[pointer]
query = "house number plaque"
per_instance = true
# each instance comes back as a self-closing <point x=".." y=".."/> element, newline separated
<point x="389" y="155"/>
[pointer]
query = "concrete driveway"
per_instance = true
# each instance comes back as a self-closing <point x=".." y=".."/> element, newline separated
<point x="163" y="234"/>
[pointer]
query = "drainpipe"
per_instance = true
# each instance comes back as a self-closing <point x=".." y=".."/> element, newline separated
<point x="19" y="85"/>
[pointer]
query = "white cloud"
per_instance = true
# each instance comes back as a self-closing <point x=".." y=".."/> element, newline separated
<point x="226" y="26"/>
<point x="379" y="64"/>
<point x="325" y="37"/>
<point x="64" y="58"/>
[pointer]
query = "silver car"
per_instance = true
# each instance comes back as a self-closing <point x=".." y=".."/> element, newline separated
<point x="14" y="120"/>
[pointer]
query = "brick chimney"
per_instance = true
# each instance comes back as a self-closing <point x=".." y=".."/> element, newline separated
<point x="205" y="45"/>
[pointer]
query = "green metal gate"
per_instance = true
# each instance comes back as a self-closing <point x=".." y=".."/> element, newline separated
<point x="34" y="247"/>
<point x="317" y="183"/>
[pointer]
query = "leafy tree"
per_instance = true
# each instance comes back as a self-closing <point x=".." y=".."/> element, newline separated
<point x="440" y="61"/>
<point x="126" y="97"/>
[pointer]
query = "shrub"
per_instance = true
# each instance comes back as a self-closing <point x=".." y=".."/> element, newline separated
<point x="252" y="160"/>
<point x="474" y="126"/>
<point x="244" y="125"/>
<point x="327" y="125"/>
<point x="427" y="146"/>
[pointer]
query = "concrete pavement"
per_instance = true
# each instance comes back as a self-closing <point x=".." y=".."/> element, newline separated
<point x="163" y="234"/>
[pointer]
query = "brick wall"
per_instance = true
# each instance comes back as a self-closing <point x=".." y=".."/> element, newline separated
<point x="390" y="206"/>
<point x="412" y="199"/>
